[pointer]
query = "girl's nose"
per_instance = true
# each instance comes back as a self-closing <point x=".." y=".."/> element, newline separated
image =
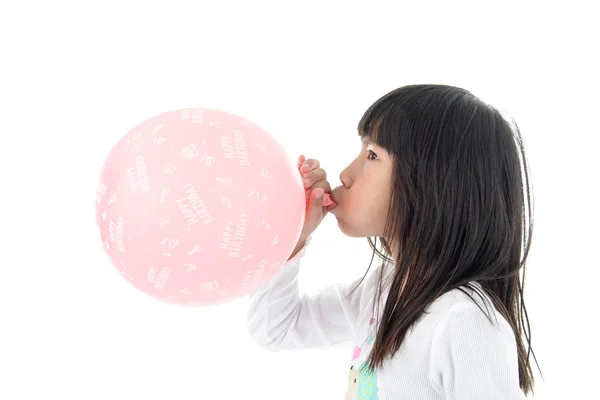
<point x="345" y="178"/>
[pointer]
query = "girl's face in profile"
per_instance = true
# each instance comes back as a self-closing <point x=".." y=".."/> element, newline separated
<point x="364" y="197"/>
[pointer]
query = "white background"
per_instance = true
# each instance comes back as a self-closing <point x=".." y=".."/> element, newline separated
<point x="75" y="76"/>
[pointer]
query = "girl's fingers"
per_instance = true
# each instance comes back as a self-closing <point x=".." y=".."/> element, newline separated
<point x="319" y="185"/>
<point x="323" y="185"/>
<point x="314" y="176"/>
<point x="301" y="160"/>
<point x="310" y="165"/>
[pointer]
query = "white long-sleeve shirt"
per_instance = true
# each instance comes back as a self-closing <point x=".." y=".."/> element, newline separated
<point x="453" y="352"/>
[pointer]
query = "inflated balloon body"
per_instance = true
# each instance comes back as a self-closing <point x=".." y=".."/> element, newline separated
<point x="199" y="206"/>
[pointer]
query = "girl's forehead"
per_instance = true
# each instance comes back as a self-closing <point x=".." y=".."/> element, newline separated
<point x="368" y="141"/>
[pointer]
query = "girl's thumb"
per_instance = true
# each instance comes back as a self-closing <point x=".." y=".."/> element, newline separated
<point x="315" y="205"/>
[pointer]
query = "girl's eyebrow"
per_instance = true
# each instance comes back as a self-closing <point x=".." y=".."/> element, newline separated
<point x="366" y="140"/>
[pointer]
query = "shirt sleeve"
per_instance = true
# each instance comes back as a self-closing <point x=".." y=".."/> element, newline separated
<point x="473" y="359"/>
<point x="279" y="317"/>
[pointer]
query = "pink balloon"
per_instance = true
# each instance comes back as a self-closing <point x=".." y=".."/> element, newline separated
<point x="199" y="206"/>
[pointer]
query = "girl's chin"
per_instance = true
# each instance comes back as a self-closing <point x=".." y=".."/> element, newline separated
<point x="344" y="227"/>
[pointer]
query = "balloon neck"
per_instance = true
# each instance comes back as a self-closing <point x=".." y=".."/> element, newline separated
<point x="326" y="200"/>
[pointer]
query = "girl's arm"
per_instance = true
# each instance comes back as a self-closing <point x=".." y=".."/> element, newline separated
<point x="280" y="318"/>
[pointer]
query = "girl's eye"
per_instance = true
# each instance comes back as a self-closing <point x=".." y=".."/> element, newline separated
<point x="371" y="155"/>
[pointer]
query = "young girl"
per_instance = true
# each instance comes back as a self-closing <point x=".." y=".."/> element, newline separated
<point x="438" y="181"/>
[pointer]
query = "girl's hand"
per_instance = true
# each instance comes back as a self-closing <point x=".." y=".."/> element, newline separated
<point x="315" y="186"/>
